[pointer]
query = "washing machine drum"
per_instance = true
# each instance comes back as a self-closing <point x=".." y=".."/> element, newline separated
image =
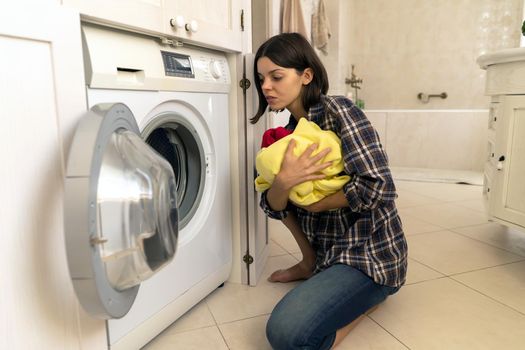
<point x="177" y="141"/>
<point x="121" y="215"/>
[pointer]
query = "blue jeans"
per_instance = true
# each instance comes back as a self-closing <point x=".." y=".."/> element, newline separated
<point x="310" y="314"/>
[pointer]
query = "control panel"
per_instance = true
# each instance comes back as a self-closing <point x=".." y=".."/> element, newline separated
<point x="199" y="65"/>
<point x="122" y="60"/>
<point x="177" y="65"/>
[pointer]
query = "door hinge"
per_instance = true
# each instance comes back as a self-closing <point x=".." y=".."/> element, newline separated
<point x="97" y="240"/>
<point x="171" y="42"/>
<point x="242" y="20"/>
<point x="245" y="84"/>
<point x="248" y="259"/>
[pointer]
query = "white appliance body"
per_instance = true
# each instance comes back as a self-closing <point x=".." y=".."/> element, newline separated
<point x="127" y="74"/>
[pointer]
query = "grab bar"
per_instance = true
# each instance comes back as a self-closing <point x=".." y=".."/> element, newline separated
<point x="426" y="97"/>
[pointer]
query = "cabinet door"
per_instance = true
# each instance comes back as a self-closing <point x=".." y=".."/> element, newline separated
<point x="214" y="23"/>
<point x="258" y="241"/>
<point x="509" y="185"/>
<point x="41" y="94"/>
<point x="142" y="15"/>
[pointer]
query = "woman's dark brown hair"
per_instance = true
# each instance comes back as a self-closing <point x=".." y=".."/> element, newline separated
<point x="292" y="50"/>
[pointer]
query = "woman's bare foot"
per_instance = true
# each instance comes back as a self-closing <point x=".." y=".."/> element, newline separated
<point x="300" y="271"/>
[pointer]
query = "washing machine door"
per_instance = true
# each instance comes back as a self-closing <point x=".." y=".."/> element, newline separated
<point x="121" y="217"/>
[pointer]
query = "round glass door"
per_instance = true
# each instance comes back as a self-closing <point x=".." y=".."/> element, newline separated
<point x="121" y="216"/>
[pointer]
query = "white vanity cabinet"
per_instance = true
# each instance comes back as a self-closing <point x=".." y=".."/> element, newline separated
<point x="210" y="23"/>
<point x="504" y="185"/>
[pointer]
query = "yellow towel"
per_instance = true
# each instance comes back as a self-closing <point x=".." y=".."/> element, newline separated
<point x="269" y="159"/>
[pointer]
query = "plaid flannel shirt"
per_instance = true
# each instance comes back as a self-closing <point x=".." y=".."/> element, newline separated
<point x="368" y="234"/>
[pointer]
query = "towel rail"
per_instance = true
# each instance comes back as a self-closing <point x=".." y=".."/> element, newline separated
<point x="426" y="97"/>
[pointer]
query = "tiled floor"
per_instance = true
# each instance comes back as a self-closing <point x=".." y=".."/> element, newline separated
<point x="465" y="288"/>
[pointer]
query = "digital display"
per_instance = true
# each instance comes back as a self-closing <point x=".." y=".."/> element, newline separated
<point x="177" y="65"/>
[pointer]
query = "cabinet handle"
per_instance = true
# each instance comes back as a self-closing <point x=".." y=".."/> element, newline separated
<point x="192" y="26"/>
<point x="177" y="22"/>
<point x="499" y="166"/>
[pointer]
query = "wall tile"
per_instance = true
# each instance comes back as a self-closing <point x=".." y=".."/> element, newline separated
<point x="403" y="47"/>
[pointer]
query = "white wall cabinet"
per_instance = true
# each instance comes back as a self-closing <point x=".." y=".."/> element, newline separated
<point x="504" y="185"/>
<point x="143" y="15"/>
<point x="215" y="22"/>
<point x="210" y="23"/>
<point x="42" y="95"/>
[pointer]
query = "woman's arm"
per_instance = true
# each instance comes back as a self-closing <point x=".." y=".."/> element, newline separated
<point x="334" y="201"/>
<point x="365" y="160"/>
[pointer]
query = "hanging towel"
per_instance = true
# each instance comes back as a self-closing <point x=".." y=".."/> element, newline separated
<point x="293" y="20"/>
<point x="321" y="29"/>
<point x="269" y="159"/>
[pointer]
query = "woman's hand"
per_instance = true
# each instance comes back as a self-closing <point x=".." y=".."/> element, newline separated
<point x="295" y="170"/>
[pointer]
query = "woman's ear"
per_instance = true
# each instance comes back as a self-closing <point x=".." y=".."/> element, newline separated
<point x="307" y="76"/>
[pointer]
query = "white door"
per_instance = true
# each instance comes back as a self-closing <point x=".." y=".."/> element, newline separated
<point x="257" y="248"/>
<point x="121" y="215"/>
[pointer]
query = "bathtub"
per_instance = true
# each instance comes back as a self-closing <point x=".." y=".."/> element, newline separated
<point x="446" y="145"/>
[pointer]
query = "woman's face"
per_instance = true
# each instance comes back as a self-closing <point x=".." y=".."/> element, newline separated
<point x="282" y="86"/>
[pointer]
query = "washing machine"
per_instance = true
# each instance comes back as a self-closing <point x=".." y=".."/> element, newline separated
<point x="148" y="209"/>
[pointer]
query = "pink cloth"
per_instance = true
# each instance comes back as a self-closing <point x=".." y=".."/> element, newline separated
<point x="272" y="135"/>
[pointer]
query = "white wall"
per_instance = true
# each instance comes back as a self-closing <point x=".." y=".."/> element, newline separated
<point x="403" y="47"/>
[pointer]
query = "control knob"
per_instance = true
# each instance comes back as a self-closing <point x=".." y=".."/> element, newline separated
<point x="215" y="69"/>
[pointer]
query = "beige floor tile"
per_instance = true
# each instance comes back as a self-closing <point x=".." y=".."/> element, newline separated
<point x="474" y="204"/>
<point x="418" y="273"/>
<point x="276" y="249"/>
<point x="236" y="302"/>
<point x="442" y="191"/>
<point x="276" y="228"/>
<point x="451" y="253"/>
<point x="282" y="236"/>
<point x="447" y="215"/>
<point x="208" y="338"/>
<point x="197" y="317"/>
<point x="368" y="335"/>
<point x="298" y="256"/>
<point x="413" y="225"/>
<point x="410" y="199"/>
<point x="249" y="334"/>
<point x="505" y="284"/>
<point x="497" y="235"/>
<point x="443" y="314"/>
<point x="483" y="309"/>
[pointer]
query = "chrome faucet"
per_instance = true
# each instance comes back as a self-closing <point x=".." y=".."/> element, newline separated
<point x="354" y="81"/>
